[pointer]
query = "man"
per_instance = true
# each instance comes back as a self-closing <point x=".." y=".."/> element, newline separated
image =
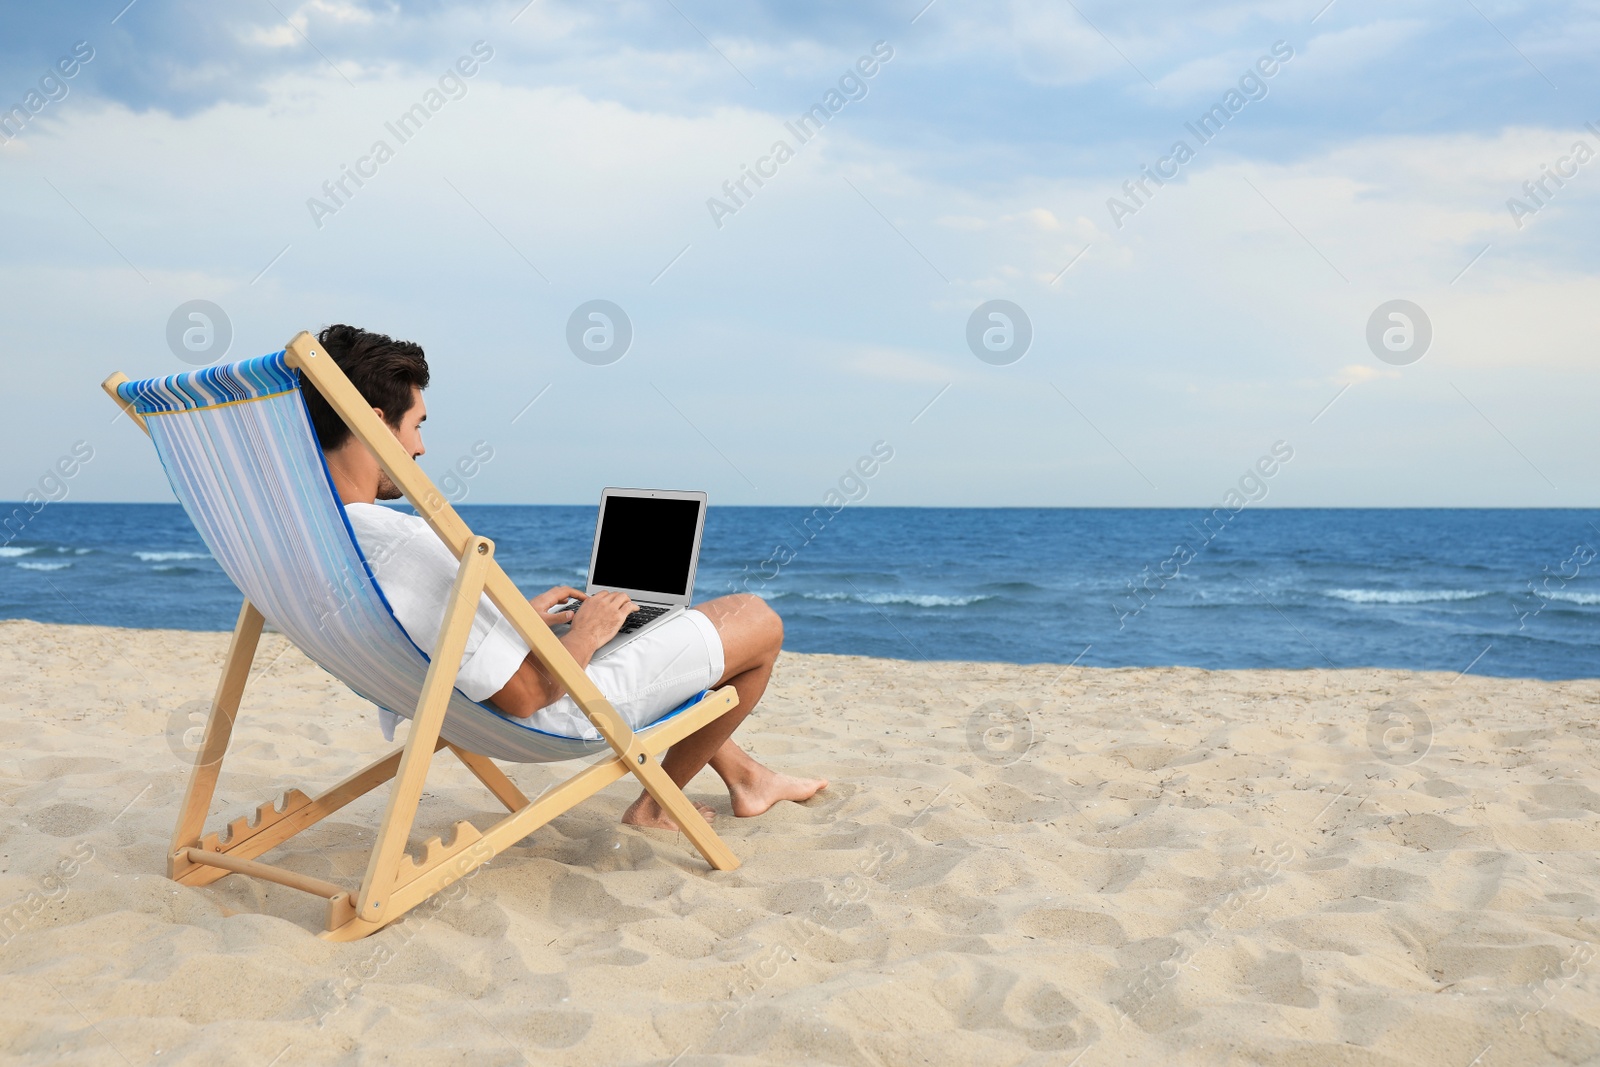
<point x="733" y="640"/>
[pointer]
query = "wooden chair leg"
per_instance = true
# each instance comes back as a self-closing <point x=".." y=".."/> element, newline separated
<point x="666" y="792"/>
<point x="472" y="849"/>
<point x="219" y="730"/>
<point x="503" y="788"/>
<point x="406" y="793"/>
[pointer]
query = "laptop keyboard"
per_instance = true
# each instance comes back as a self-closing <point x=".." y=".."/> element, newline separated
<point x="638" y="618"/>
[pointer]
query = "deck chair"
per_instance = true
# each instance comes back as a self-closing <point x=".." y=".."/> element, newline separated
<point x="239" y="449"/>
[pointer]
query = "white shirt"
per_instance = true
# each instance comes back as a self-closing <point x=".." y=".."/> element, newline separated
<point x="415" y="571"/>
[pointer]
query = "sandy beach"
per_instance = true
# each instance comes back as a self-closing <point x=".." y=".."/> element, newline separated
<point x="1013" y="865"/>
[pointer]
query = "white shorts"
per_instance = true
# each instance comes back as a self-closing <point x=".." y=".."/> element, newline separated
<point x="645" y="678"/>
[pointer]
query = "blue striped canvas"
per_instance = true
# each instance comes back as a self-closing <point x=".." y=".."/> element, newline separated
<point x="237" y="445"/>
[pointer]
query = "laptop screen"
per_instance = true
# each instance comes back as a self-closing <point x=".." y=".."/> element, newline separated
<point x="647" y="544"/>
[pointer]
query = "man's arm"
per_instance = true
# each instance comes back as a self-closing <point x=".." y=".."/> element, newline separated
<point x="596" y="622"/>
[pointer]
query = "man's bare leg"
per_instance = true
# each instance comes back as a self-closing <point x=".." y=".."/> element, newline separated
<point x="752" y="635"/>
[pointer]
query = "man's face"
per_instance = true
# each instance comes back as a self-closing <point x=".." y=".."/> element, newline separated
<point x="409" y="434"/>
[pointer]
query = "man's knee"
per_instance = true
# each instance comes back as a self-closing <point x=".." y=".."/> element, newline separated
<point x="752" y="616"/>
<point x="771" y="621"/>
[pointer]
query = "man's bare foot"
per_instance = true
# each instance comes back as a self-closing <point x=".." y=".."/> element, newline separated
<point x="646" y="812"/>
<point x="761" y="791"/>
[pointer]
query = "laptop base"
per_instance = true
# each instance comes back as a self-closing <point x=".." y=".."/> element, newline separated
<point x="622" y="639"/>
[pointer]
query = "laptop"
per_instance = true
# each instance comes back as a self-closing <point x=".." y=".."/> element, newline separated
<point x="647" y="545"/>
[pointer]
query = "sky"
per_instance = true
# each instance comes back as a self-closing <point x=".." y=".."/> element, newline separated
<point x="1154" y="342"/>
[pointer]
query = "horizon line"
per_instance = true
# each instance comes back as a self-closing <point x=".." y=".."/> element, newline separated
<point x="948" y="507"/>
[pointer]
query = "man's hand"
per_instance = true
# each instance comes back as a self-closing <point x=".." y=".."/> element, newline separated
<point x="594" y="622"/>
<point x="551" y="597"/>
<point x="599" y="618"/>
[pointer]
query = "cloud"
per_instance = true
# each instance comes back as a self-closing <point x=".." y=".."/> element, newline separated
<point x="1356" y="373"/>
<point x="579" y="163"/>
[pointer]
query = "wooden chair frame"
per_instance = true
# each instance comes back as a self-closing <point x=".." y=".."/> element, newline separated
<point x="395" y="883"/>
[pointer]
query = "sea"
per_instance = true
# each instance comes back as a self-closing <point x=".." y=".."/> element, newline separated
<point x="1503" y="592"/>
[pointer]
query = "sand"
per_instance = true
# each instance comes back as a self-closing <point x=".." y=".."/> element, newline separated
<point x="1030" y="865"/>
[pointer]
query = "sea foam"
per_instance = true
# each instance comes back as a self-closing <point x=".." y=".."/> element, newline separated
<point x="1403" y="596"/>
<point x="1572" y="598"/>
<point x="920" y="600"/>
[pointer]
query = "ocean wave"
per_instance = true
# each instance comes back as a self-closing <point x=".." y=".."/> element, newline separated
<point x="920" y="600"/>
<point x="11" y="552"/>
<point x="1572" y="598"/>
<point x="44" y="566"/>
<point x="165" y="557"/>
<point x="1404" y="596"/>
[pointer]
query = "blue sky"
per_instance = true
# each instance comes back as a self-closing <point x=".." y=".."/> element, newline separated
<point x="1227" y="311"/>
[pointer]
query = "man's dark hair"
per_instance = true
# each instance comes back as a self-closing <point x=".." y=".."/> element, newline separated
<point x="383" y="371"/>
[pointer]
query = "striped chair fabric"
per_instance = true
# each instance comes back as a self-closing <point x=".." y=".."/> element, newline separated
<point x="238" y="447"/>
